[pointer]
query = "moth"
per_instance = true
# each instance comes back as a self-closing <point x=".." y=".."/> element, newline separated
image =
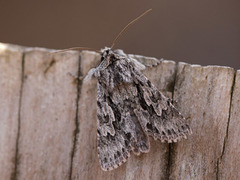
<point x="130" y="109"/>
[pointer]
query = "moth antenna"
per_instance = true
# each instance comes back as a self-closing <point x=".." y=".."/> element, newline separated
<point x="75" y="48"/>
<point x="124" y="29"/>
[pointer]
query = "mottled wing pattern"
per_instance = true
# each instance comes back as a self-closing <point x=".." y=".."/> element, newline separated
<point x="156" y="114"/>
<point x="129" y="109"/>
<point x="119" y="130"/>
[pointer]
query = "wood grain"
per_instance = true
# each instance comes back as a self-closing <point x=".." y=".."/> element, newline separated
<point x="229" y="166"/>
<point x="203" y="95"/>
<point x="10" y="87"/>
<point x="48" y="113"/>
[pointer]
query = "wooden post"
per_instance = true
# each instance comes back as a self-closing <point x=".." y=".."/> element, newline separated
<point x="229" y="166"/>
<point x="203" y="95"/>
<point x="10" y="91"/>
<point x="48" y="119"/>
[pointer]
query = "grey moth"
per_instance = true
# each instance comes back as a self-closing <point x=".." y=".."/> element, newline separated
<point x="130" y="109"/>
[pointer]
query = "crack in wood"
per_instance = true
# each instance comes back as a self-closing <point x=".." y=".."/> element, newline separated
<point x="53" y="61"/>
<point x="171" y="146"/>
<point x="227" y="129"/>
<point x="76" y="131"/>
<point x="16" y="156"/>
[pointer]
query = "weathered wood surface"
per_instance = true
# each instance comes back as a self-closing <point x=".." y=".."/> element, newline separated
<point x="229" y="162"/>
<point x="48" y="112"/>
<point x="10" y="88"/>
<point x="48" y="120"/>
<point x="203" y="95"/>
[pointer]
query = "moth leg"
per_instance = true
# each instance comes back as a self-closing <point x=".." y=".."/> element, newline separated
<point x="92" y="73"/>
<point x="75" y="76"/>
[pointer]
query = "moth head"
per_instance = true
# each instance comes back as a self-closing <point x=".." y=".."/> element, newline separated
<point x="107" y="54"/>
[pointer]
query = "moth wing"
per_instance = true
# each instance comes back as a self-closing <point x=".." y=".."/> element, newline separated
<point x="157" y="116"/>
<point x="119" y="131"/>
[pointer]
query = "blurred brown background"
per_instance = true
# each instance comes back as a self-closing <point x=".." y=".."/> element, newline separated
<point x="203" y="32"/>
